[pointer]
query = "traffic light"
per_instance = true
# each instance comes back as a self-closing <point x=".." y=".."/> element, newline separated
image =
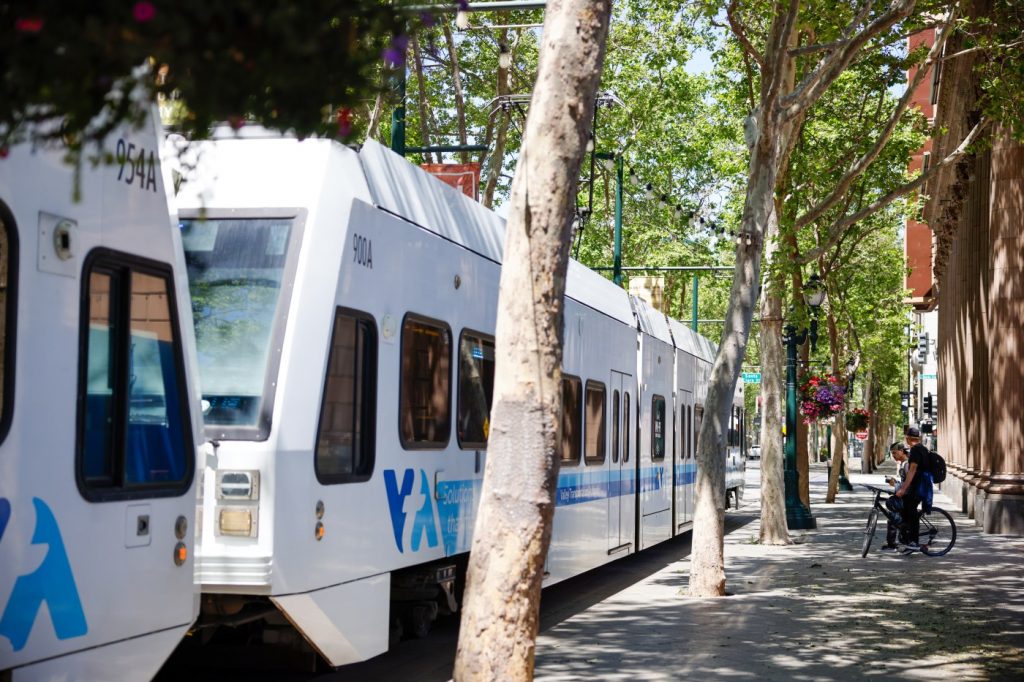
<point x="922" y="347"/>
<point x="929" y="404"/>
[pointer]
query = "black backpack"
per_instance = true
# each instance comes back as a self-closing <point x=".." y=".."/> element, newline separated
<point x="936" y="467"/>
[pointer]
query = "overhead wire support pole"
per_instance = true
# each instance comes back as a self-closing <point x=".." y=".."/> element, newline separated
<point x="666" y="268"/>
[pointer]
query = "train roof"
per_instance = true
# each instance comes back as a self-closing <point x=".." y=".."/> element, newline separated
<point x="444" y="210"/>
<point x="652" y="321"/>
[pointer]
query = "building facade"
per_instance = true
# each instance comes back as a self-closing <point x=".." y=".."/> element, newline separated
<point x="975" y="213"/>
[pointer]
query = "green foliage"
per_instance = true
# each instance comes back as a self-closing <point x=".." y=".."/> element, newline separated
<point x="72" y="72"/>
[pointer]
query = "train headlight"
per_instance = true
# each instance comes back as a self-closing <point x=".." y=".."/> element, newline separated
<point x="238" y="485"/>
<point x="238" y="521"/>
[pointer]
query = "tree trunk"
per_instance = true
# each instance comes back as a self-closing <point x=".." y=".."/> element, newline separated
<point x="376" y="114"/>
<point x="839" y="428"/>
<point x="422" y="104"/>
<point x="460" y="102"/>
<point x="774" y="530"/>
<point x="497" y="158"/>
<point x="707" y="574"/>
<point x="498" y="634"/>
<point x="871" y="406"/>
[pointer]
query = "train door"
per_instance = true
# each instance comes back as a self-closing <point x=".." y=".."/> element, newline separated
<point x="685" y="468"/>
<point x="620" y="500"/>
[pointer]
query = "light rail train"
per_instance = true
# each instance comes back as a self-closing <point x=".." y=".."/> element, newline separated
<point x="99" y="417"/>
<point x="344" y="305"/>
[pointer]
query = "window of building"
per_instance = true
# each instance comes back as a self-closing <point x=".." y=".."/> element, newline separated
<point x="625" y="427"/>
<point x="594" y="432"/>
<point x="425" y="395"/>
<point x="615" y="426"/>
<point x="348" y="417"/>
<point x="134" y="433"/>
<point x="8" y="280"/>
<point x="658" y="427"/>
<point x="572" y="424"/>
<point x="476" y="389"/>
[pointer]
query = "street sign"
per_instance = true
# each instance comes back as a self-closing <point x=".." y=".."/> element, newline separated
<point x="751" y="377"/>
<point x="861" y="435"/>
<point x="929" y="376"/>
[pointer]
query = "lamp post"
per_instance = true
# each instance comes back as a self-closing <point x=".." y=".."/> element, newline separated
<point x="798" y="516"/>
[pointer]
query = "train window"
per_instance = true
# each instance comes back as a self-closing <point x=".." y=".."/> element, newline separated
<point x="348" y="419"/>
<point x="572" y="425"/>
<point x="615" y="426"/>
<point x="698" y="419"/>
<point x="657" y="427"/>
<point x="689" y="432"/>
<point x="424" y="393"/>
<point x="476" y="390"/>
<point x="8" y="280"/>
<point x="594" y="433"/>
<point x="625" y="426"/>
<point x="134" y="434"/>
<point x="237" y="273"/>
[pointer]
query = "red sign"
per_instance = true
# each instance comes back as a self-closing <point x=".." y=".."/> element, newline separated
<point x="464" y="177"/>
<point x="861" y="435"/>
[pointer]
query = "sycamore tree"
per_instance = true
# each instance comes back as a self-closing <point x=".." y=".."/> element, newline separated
<point x="497" y="637"/>
<point x="795" y="52"/>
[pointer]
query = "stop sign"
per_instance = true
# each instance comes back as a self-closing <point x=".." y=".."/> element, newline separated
<point x="861" y="435"/>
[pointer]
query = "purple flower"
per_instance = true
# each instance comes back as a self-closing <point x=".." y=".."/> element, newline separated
<point x="143" y="11"/>
<point x="394" y="55"/>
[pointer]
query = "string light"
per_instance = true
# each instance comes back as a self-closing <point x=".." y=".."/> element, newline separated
<point x="504" y="57"/>
<point x="462" y="20"/>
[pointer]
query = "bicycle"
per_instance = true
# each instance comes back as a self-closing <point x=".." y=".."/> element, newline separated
<point x="938" y="531"/>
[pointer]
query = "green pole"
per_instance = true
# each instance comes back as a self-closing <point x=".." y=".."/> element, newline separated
<point x="398" y="116"/>
<point x="696" y="282"/>
<point x="617" y="264"/>
<point x="798" y="517"/>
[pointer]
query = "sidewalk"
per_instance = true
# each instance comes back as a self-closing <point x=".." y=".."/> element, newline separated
<point x="814" y="610"/>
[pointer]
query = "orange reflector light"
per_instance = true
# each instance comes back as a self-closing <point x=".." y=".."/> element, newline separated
<point x="180" y="554"/>
<point x="319" y="532"/>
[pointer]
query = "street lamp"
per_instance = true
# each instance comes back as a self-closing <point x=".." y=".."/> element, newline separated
<point x="798" y="516"/>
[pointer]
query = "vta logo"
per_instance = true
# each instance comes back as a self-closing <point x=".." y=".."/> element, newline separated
<point x="51" y="582"/>
<point x="423" y="522"/>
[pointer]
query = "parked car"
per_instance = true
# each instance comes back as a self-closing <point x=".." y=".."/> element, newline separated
<point x="754" y="452"/>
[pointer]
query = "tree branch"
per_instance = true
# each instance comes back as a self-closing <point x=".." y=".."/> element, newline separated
<point x="741" y="34"/>
<point x="864" y="162"/>
<point x="833" y="64"/>
<point x="980" y="48"/>
<point x="836" y="230"/>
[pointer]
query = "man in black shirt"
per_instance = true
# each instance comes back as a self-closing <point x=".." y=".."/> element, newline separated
<point x="909" y="491"/>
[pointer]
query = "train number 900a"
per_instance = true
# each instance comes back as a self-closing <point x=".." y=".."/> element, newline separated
<point x="362" y="251"/>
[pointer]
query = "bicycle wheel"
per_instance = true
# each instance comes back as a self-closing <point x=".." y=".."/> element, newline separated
<point x="869" y="531"/>
<point x="939" y="531"/>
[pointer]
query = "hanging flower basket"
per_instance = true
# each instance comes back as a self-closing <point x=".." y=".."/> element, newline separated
<point x="857" y="419"/>
<point x="821" y="397"/>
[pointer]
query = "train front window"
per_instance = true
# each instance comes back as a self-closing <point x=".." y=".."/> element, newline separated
<point x="236" y="269"/>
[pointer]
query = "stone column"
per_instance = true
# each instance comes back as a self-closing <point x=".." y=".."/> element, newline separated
<point x="1003" y="478"/>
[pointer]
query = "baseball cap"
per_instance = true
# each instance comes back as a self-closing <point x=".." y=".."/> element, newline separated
<point x="913" y="432"/>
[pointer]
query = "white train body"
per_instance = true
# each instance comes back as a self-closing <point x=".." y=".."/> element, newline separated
<point x="99" y="421"/>
<point x="350" y="434"/>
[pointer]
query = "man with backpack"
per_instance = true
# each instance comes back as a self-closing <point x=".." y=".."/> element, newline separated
<point x="916" y="487"/>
